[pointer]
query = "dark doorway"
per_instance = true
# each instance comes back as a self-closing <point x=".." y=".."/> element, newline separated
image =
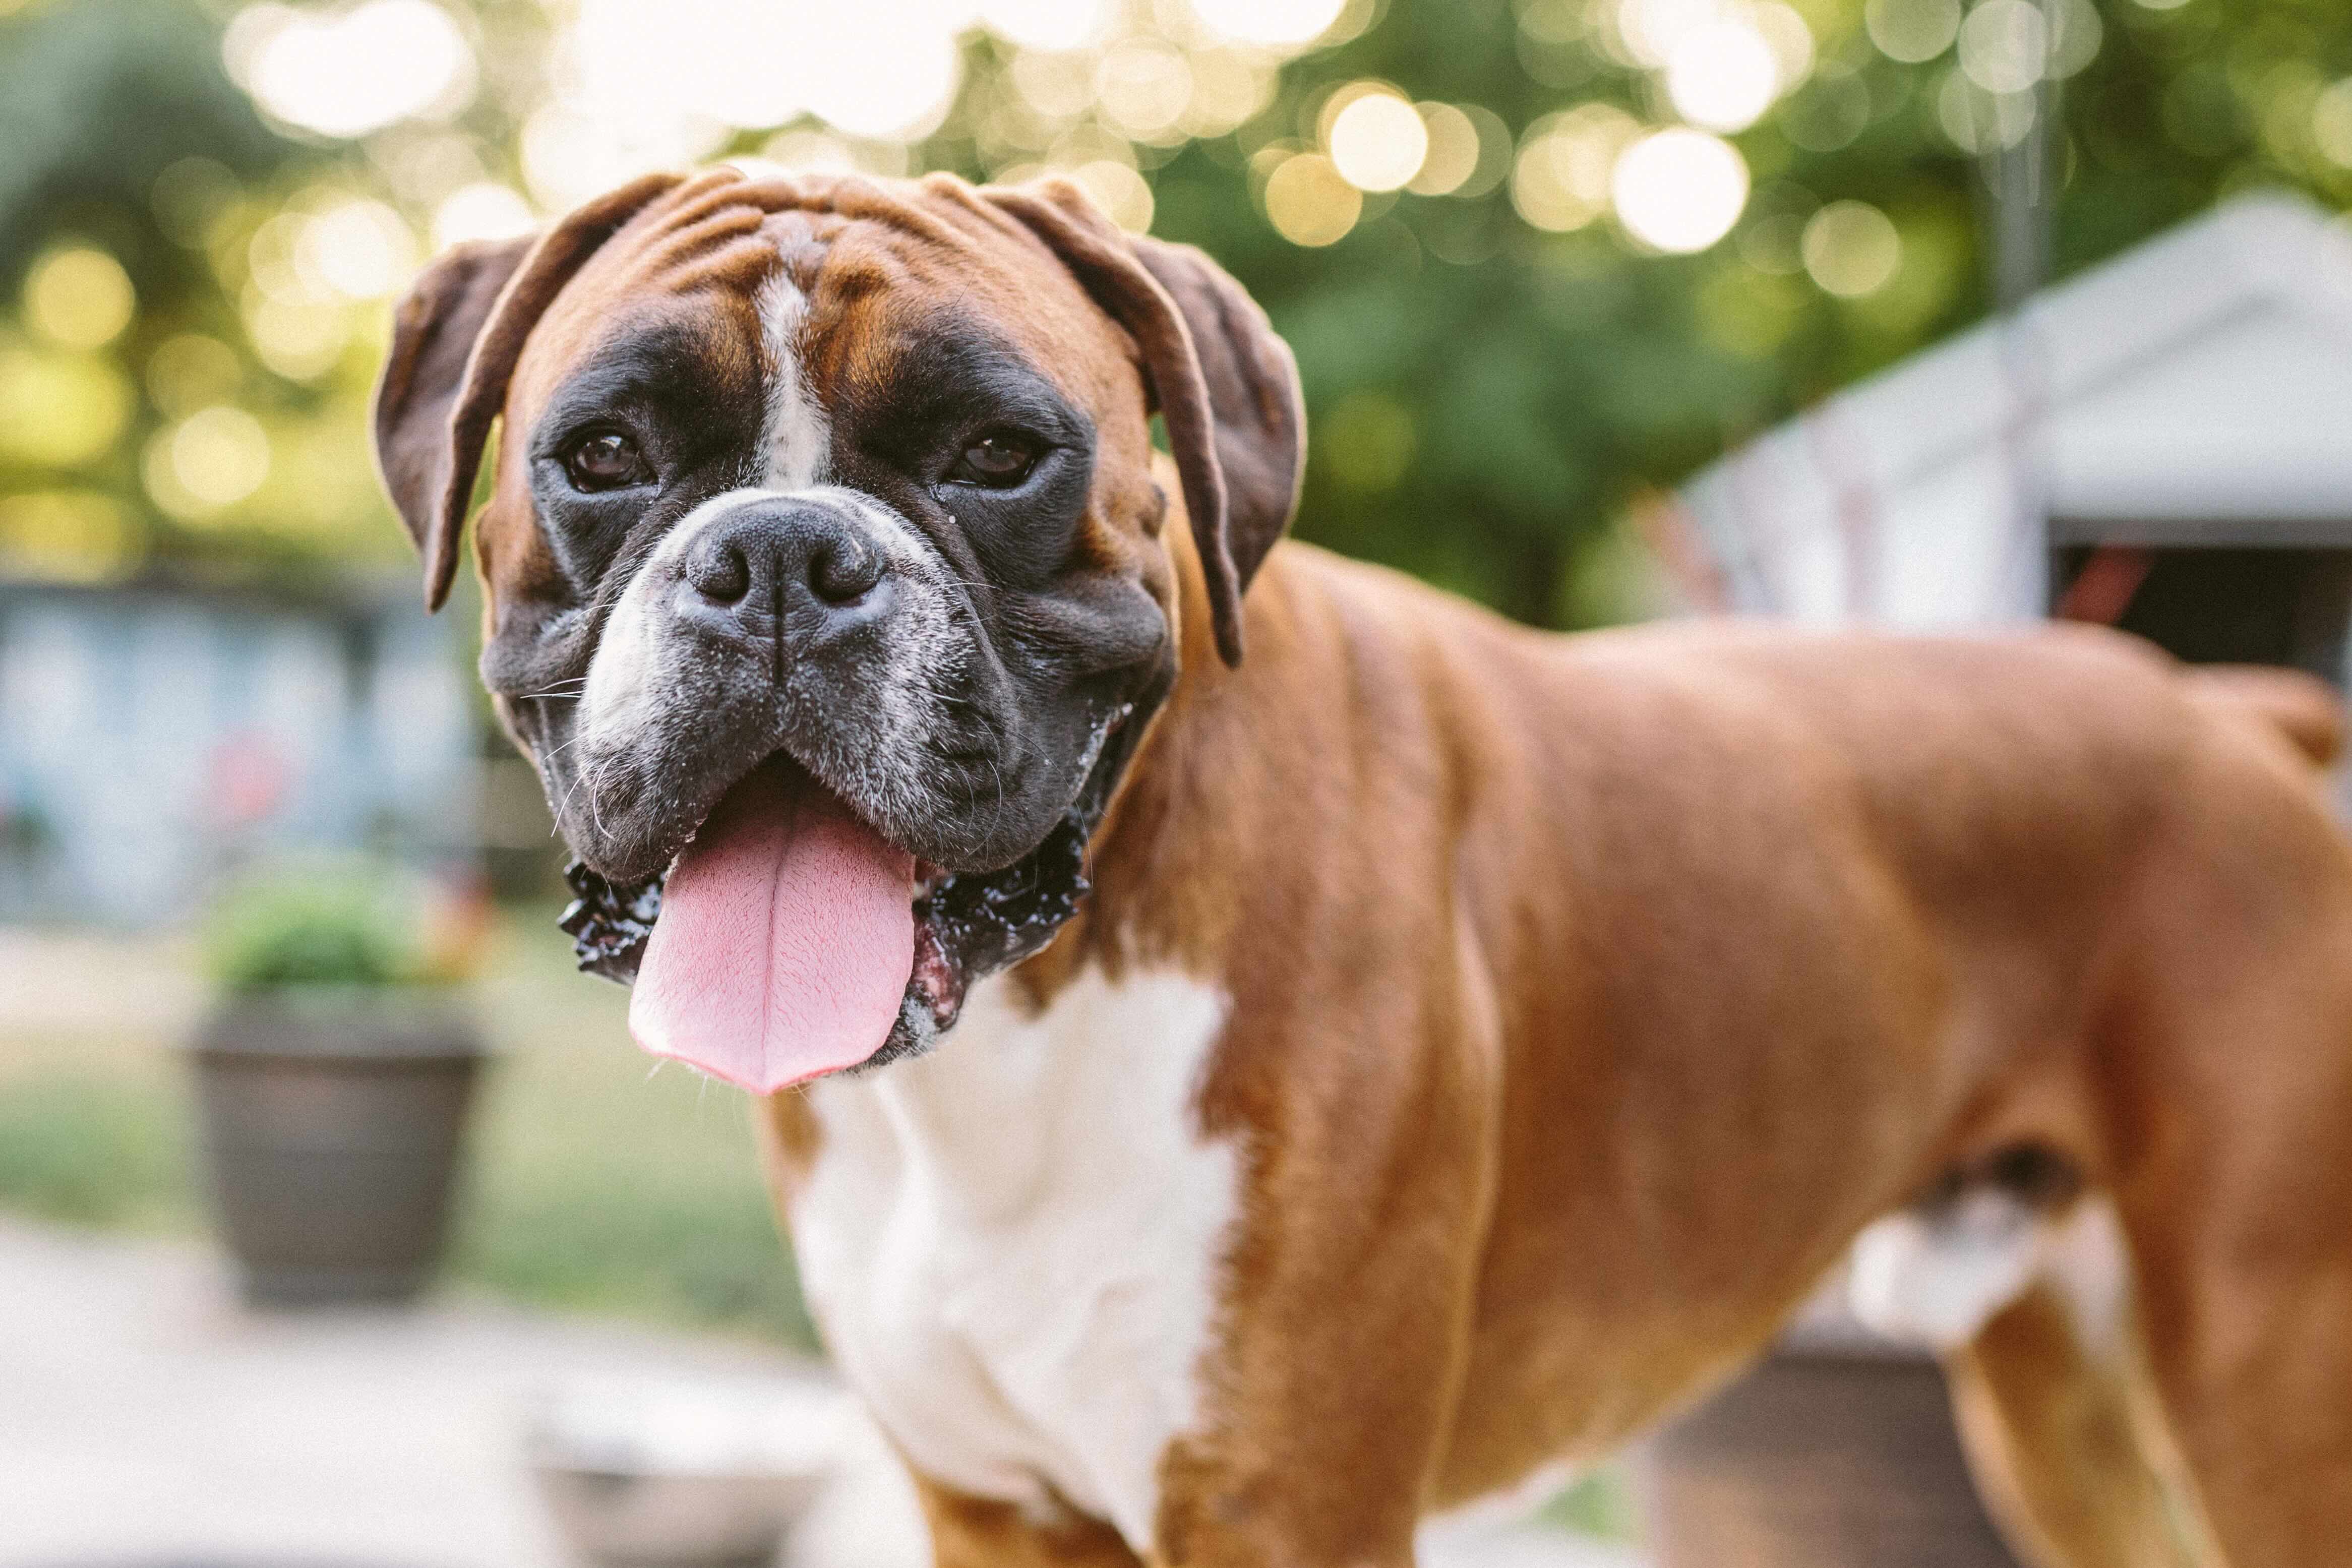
<point x="2218" y="604"/>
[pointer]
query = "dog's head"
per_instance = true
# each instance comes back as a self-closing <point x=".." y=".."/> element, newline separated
<point x="825" y="568"/>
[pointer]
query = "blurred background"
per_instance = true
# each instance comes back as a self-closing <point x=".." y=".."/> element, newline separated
<point x="1932" y="311"/>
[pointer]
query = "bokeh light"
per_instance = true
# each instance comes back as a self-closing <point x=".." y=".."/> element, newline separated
<point x="1229" y="86"/>
<point x="1495" y="151"/>
<point x="1118" y="190"/>
<point x="346" y="73"/>
<point x="1786" y="34"/>
<point x="1048" y="24"/>
<point x="1981" y="121"/>
<point x="358" y="249"/>
<point x="2076" y="35"/>
<point x="1679" y="189"/>
<point x="1648" y="30"/>
<point x="77" y="535"/>
<point x="1143" y="87"/>
<point x="629" y="97"/>
<point x="571" y="154"/>
<point x="2331" y="123"/>
<point x="301" y="339"/>
<point x="79" y="297"/>
<point x="1055" y="85"/>
<point x="483" y="210"/>
<point x="1912" y="31"/>
<point x="2005" y="44"/>
<point x="809" y="153"/>
<point x="1562" y="178"/>
<point x="214" y="458"/>
<point x="1378" y="141"/>
<point x="1722" y="76"/>
<point x="1772" y="243"/>
<point x="1275" y="23"/>
<point x="899" y="94"/>
<point x="1850" y="249"/>
<point x="1309" y="202"/>
<point x="58" y="409"/>
<point x="1451" y="156"/>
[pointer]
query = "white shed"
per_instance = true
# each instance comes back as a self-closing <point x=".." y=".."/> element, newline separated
<point x="2188" y="404"/>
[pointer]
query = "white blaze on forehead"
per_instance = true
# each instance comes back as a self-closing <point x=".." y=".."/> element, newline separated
<point x="797" y="435"/>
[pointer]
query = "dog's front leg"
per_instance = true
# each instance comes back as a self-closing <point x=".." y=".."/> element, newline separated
<point x="978" y="1532"/>
<point x="1352" y="1290"/>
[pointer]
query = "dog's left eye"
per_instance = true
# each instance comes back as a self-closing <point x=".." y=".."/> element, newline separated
<point x="997" y="461"/>
<point x="606" y="461"/>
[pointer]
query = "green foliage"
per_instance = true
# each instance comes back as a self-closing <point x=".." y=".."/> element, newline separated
<point x="90" y="1149"/>
<point x="321" y="923"/>
<point x="1485" y="397"/>
<point x="1601" y="1504"/>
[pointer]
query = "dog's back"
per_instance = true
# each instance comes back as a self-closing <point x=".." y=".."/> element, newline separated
<point x="1781" y="928"/>
<point x="2302" y="707"/>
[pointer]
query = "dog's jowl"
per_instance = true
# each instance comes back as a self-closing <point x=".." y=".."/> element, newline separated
<point x="1286" y="1053"/>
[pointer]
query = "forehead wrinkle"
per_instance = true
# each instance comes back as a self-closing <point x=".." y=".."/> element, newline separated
<point x="877" y="295"/>
<point x="852" y="197"/>
<point x="935" y="237"/>
<point x="643" y="342"/>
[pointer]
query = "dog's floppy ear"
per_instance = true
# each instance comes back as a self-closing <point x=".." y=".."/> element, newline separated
<point x="1227" y="386"/>
<point x="455" y="342"/>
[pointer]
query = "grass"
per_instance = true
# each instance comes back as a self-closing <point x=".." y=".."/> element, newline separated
<point x="91" y="1141"/>
<point x="1600" y="1504"/>
<point x="591" y="1184"/>
<point x="604" y="1182"/>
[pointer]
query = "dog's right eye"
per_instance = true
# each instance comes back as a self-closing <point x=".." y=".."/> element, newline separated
<point x="606" y="461"/>
<point x="997" y="461"/>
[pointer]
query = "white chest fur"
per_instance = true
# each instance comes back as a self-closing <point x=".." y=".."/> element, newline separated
<point x="1015" y="1243"/>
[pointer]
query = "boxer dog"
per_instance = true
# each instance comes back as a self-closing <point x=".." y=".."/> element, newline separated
<point x="1232" y="1110"/>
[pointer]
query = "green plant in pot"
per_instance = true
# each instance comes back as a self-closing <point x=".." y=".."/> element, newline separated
<point x="333" y="1078"/>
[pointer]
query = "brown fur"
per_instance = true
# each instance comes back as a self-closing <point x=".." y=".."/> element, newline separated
<point x="1588" y="994"/>
<point x="2067" y="1446"/>
<point x="2302" y="708"/>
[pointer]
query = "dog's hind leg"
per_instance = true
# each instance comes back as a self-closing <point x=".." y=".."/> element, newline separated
<point x="2063" y="1439"/>
<point x="2019" y="1281"/>
<point x="2241" y="1237"/>
<point x="2229" y="1070"/>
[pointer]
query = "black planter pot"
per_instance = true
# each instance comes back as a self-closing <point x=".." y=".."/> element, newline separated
<point x="1837" y="1451"/>
<point x="330" y="1123"/>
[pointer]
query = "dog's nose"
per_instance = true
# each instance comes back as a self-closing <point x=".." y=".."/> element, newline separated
<point x="799" y="572"/>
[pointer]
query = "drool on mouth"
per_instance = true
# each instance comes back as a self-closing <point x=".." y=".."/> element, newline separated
<point x="766" y="1013"/>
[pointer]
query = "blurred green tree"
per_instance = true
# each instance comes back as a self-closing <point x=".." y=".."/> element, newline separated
<point x="1606" y="239"/>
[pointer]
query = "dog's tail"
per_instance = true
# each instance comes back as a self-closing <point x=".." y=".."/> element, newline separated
<point x="2302" y="707"/>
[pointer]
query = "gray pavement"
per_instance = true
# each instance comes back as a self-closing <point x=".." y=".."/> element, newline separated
<point x="145" y="1419"/>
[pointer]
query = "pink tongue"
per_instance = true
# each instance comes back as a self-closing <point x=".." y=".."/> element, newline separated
<point x="786" y="935"/>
